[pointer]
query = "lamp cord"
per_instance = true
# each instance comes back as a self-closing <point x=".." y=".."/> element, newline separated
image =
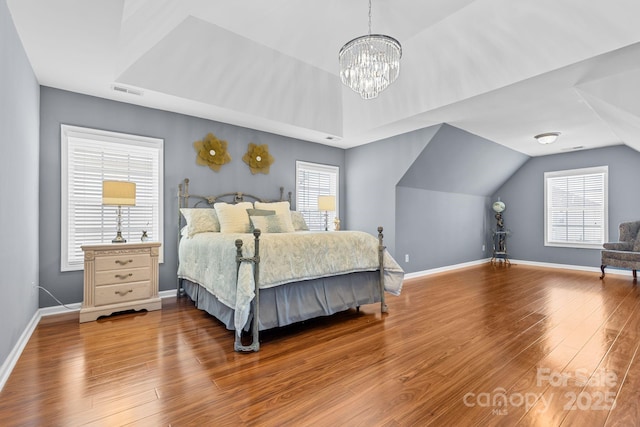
<point x="52" y="296"/>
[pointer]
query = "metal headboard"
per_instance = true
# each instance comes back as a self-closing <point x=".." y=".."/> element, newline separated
<point x="208" y="201"/>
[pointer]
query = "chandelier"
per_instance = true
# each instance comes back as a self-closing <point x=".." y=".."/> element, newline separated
<point x="368" y="64"/>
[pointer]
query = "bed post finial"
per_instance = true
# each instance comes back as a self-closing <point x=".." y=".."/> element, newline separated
<point x="238" y="249"/>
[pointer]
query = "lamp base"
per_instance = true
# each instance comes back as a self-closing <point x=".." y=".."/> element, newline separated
<point x="119" y="238"/>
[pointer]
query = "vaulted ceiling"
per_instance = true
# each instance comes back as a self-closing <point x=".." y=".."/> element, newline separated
<point x="501" y="69"/>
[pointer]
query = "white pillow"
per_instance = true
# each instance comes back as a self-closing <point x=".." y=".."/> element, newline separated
<point x="200" y="220"/>
<point x="281" y="208"/>
<point x="233" y="218"/>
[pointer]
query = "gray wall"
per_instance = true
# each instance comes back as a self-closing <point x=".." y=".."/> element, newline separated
<point x="19" y="121"/>
<point x="456" y="161"/>
<point x="430" y="189"/>
<point x="179" y="132"/>
<point x="438" y="229"/>
<point x="523" y="195"/>
<point x="372" y="173"/>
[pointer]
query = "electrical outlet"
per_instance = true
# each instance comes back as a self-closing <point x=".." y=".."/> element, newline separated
<point x="483" y="248"/>
<point x="406" y="258"/>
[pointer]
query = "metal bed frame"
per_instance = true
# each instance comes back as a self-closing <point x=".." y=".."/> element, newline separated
<point x="237" y="197"/>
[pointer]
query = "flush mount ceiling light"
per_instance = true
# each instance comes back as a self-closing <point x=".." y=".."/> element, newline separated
<point x="368" y="64"/>
<point x="547" y="137"/>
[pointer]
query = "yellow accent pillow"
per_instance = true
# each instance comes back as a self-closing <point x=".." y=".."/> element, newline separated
<point x="233" y="218"/>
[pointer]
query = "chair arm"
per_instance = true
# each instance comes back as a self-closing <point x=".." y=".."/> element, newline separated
<point x="619" y="246"/>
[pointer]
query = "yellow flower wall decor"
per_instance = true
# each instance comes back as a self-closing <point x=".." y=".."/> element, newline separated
<point x="258" y="158"/>
<point x="212" y="152"/>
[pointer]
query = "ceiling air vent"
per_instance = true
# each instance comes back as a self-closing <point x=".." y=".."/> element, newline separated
<point x="577" y="147"/>
<point x="128" y="90"/>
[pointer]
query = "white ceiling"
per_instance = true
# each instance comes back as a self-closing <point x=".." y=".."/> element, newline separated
<point x="501" y="69"/>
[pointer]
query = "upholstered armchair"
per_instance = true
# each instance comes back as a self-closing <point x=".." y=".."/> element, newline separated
<point x="626" y="252"/>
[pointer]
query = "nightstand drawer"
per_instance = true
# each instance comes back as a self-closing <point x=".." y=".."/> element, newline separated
<point x="115" y="262"/>
<point x="119" y="277"/>
<point x="113" y="294"/>
<point x="113" y="277"/>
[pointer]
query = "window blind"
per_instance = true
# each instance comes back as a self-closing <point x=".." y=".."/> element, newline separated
<point x="91" y="157"/>
<point x="576" y="207"/>
<point x="313" y="180"/>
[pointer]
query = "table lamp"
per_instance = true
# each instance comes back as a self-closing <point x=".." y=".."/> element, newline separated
<point x="326" y="204"/>
<point x="118" y="193"/>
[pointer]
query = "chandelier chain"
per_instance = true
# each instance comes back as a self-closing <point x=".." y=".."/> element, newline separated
<point x="369" y="17"/>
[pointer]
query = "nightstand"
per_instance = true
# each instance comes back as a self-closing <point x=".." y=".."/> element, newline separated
<point x="119" y="277"/>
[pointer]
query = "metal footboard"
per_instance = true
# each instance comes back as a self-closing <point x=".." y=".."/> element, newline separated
<point x="255" y="260"/>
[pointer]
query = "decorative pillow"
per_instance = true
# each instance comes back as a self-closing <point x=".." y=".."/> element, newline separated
<point x="271" y="223"/>
<point x="281" y="208"/>
<point x="200" y="220"/>
<point x="260" y="212"/>
<point x="233" y="218"/>
<point x="636" y="245"/>
<point x="299" y="224"/>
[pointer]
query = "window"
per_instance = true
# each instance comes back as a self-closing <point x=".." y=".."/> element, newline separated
<point x="576" y="208"/>
<point x="91" y="156"/>
<point x="313" y="180"/>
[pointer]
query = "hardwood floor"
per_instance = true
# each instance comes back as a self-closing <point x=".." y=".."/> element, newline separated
<point x="480" y="346"/>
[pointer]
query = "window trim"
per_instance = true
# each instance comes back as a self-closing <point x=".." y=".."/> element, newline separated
<point x="69" y="131"/>
<point x="605" y="219"/>
<point x="322" y="168"/>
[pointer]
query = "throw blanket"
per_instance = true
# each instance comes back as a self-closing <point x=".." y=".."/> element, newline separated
<point x="209" y="260"/>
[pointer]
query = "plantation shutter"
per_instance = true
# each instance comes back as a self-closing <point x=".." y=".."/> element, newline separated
<point x="313" y="180"/>
<point x="92" y="159"/>
<point x="577" y="207"/>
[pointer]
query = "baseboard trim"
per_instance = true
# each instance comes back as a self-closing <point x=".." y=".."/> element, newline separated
<point x="429" y="272"/>
<point x="14" y="355"/>
<point x="59" y="309"/>
<point x="610" y="270"/>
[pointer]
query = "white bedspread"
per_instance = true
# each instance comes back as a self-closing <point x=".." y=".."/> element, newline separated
<point x="209" y="260"/>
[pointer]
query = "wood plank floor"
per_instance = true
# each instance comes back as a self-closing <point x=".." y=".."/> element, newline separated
<point x="480" y="346"/>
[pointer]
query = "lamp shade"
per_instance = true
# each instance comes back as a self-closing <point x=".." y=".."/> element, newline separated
<point x="326" y="203"/>
<point x="119" y="193"/>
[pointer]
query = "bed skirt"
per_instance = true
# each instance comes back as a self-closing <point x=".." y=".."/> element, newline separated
<point x="294" y="302"/>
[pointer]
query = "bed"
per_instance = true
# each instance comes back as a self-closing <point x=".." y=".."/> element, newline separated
<point x="250" y="263"/>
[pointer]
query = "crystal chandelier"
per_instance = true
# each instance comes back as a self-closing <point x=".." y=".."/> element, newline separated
<point x="368" y="64"/>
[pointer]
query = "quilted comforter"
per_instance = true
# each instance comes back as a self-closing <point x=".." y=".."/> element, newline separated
<point x="209" y="260"/>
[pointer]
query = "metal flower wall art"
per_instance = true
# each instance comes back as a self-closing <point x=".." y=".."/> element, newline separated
<point x="212" y="152"/>
<point x="258" y="158"/>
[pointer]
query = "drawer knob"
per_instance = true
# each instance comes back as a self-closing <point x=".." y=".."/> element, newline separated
<point x="123" y="276"/>
<point x="123" y="262"/>
<point x="123" y="293"/>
